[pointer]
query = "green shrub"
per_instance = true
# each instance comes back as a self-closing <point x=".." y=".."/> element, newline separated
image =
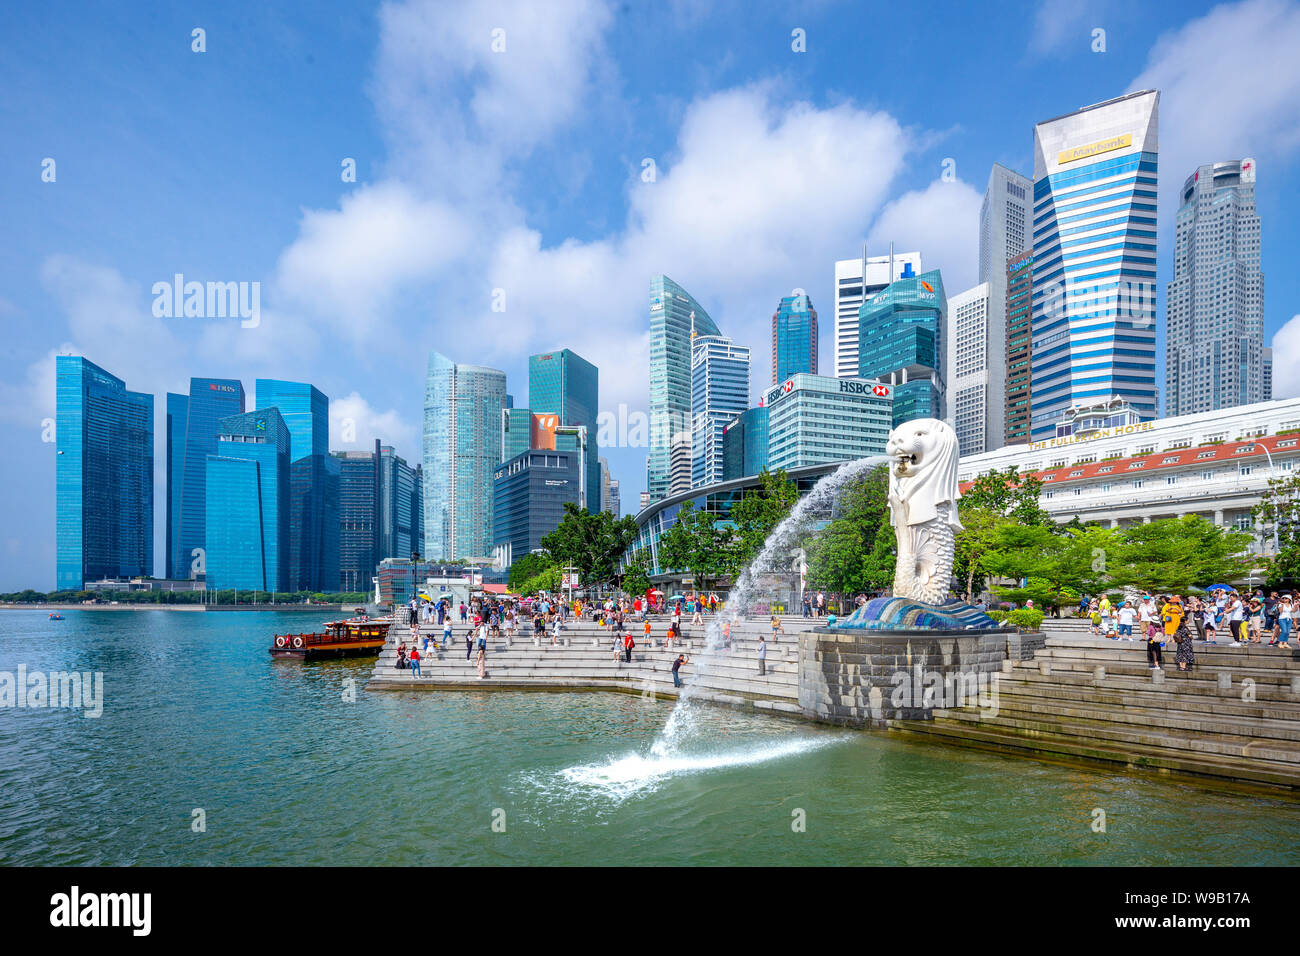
<point x="1025" y="618"/>
<point x="998" y="616"/>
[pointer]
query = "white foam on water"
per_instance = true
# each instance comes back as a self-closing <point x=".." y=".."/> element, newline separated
<point x="624" y="776"/>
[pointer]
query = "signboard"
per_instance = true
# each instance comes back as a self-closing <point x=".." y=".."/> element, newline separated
<point x="569" y="579"/>
<point x="1093" y="149"/>
<point x="1091" y="436"/>
<point x="543" y="431"/>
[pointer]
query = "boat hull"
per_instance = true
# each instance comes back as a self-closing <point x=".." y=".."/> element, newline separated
<point x="329" y="651"/>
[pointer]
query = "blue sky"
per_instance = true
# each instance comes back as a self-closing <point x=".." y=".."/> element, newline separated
<point x="521" y="170"/>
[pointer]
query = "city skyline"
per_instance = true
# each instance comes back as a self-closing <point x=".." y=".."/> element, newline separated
<point x="92" y="295"/>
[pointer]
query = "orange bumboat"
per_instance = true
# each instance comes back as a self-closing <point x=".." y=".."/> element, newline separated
<point x="339" y="639"/>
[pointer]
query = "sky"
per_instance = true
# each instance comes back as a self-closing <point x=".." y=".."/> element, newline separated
<point x="522" y="169"/>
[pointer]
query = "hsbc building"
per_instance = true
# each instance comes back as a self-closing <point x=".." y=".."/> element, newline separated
<point x="817" y="420"/>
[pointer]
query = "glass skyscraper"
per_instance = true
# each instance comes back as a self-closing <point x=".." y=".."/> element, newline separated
<point x="1020" y="351"/>
<point x="314" y="483"/>
<point x="530" y="491"/>
<point x="675" y="317"/>
<point x="192" y="436"/>
<point x="901" y="341"/>
<point x="563" y="383"/>
<point x="381" y="512"/>
<point x="719" y="392"/>
<point x="744" y="444"/>
<point x="462" y="449"/>
<point x="1214" y="329"/>
<point x="103" y="476"/>
<point x="794" y="338"/>
<point x="1094" y="244"/>
<point x="247" y="485"/>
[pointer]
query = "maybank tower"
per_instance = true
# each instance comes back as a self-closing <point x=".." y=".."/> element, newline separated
<point x="1094" y="246"/>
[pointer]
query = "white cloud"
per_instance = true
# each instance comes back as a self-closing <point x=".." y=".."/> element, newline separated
<point x="1057" y="24"/>
<point x="1229" y="83"/>
<point x="1286" y="359"/>
<point x="942" y="222"/>
<point x="354" y="426"/>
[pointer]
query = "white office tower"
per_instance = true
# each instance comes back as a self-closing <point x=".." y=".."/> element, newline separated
<point x="1214" y="335"/>
<point x="1094" y="235"/>
<point x="976" y="409"/>
<point x="855" y="282"/>
<point x="719" y="392"/>
<point x="1004" y="235"/>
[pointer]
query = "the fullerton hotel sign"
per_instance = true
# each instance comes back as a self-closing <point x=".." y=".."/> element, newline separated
<point x="1091" y="436"/>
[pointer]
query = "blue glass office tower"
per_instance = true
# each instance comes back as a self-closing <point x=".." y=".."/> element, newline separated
<point x="103" y="476"/>
<point x="381" y="513"/>
<point x="794" y="338"/>
<point x="563" y="383"/>
<point x="901" y="341"/>
<point x="191" y="437"/>
<point x="530" y="491"/>
<point x="719" y="392"/>
<point x="314" y="479"/>
<point x="462" y="449"/>
<point x="675" y="318"/>
<point x="1094" y="244"/>
<point x="744" y="444"/>
<point x="247" y="522"/>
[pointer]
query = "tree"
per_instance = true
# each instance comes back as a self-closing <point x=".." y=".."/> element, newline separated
<point x="1279" y="507"/>
<point x="592" y="544"/>
<point x="759" y="511"/>
<point x="1067" y="561"/>
<point x="636" y="575"/>
<point x="697" y="544"/>
<point x="994" y="500"/>
<point x="1181" y="554"/>
<point x="856" y="551"/>
<point x="529" y="566"/>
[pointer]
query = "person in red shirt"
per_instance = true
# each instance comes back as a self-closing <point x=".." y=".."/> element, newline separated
<point x="415" y="660"/>
<point x="628" y="644"/>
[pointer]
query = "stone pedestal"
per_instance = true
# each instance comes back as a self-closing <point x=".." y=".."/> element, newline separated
<point x="869" y="677"/>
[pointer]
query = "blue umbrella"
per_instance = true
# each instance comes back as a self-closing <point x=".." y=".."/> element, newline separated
<point x="1219" y="587"/>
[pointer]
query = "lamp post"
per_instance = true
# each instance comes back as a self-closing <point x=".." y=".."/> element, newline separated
<point x="415" y="562"/>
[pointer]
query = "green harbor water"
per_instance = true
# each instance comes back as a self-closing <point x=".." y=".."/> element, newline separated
<point x="287" y="770"/>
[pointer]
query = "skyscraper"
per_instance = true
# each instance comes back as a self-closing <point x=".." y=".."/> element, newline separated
<point x="248" y="500"/>
<point x="902" y="342"/>
<point x="1214" y="306"/>
<point x="1020" y="350"/>
<point x="191" y="437"/>
<point x="856" y="281"/>
<point x="1004" y="234"/>
<point x="674" y="318"/>
<point x="381" y="512"/>
<point x="462" y="449"/>
<point x="563" y="383"/>
<point x="744" y="444"/>
<point x="530" y="491"/>
<point x="818" y="420"/>
<point x="794" y="337"/>
<point x="719" y="392"/>
<point x="103" y="476"/>
<point x="975" y="393"/>
<point x="314" y="483"/>
<point x="1094" y="228"/>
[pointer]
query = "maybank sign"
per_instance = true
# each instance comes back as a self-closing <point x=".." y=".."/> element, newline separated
<point x="1093" y="149"/>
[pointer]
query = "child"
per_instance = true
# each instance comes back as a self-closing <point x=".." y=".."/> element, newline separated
<point x="1209" y="621"/>
<point x="776" y="627"/>
<point x="645" y="630"/>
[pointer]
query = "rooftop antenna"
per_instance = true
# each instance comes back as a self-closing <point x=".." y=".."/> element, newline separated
<point x="891" y="262"/>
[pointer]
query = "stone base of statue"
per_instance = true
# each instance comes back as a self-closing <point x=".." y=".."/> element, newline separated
<point x="900" y="659"/>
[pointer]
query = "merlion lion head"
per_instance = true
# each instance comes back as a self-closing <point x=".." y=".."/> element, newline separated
<point x="923" y="475"/>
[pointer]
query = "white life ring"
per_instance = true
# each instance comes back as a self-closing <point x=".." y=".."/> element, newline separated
<point x="279" y="642"/>
<point x="297" y="642"/>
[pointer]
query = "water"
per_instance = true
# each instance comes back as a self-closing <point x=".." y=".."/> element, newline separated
<point x="288" y="772"/>
<point x="784" y="546"/>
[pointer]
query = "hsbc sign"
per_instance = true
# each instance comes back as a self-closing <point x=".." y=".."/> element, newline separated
<point x="864" y="388"/>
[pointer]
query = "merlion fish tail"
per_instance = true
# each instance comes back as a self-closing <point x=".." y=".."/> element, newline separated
<point x="933" y="546"/>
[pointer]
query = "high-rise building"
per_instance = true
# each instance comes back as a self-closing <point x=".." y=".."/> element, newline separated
<point x="517" y="430"/>
<point x="248" y="502"/>
<point x="902" y="329"/>
<point x="816" y="420"/>
<point x="975" y="394"/>
<point x="530" y="491"/>
<point x="103" y="476"/>
<point x="1214" y="306"/>
<point x="675" y="318"/>
<point x="314" y="483"/>
<point x="1004" y="235"/>
<point x="719" y="392"/>
<point x="565" y="384"/>
<point x="381" y="512"/>
<point x="856" y="281"/>
<point x="1020" y="351"/>
<point x="1094" y="228"/>
<point x="191" y="437"/>
<point x="794" y="337"/>
<point x="744" y="444"/>
<point x="462" y="449"/>
<point x="615" y="499"/>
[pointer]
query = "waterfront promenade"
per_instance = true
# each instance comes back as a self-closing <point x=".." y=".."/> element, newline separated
<point x="1233" y="720"/>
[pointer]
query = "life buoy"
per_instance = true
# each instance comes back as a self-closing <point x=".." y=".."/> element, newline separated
<point x="297" y="641"/>
<point x="279" y="642"/>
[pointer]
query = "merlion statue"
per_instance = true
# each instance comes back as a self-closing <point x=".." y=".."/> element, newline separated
<point x="923" y="497"/>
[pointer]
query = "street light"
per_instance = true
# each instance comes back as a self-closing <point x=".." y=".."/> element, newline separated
<point x="415" y="561"/>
